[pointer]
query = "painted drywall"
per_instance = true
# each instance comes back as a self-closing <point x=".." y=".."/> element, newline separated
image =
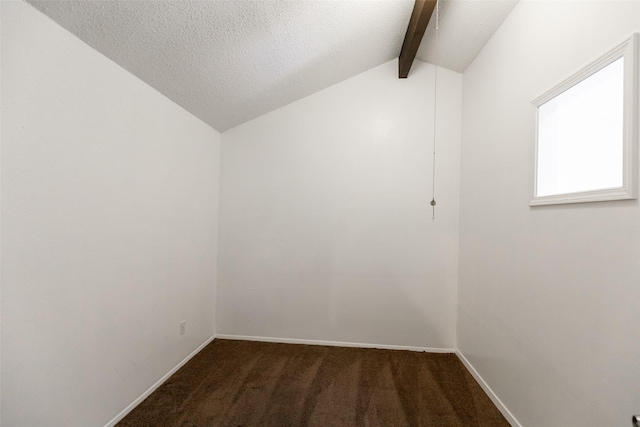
<point x="546" y="294"/>
<point x="109" y="213"/>
<point x="326" y="231"/>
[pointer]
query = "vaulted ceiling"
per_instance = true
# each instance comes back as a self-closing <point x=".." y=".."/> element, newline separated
<point x="228" y="61"/>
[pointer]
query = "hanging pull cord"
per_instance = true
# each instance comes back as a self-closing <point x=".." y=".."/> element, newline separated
<point x="435" y="115"/>
<point x="433" y="206"/>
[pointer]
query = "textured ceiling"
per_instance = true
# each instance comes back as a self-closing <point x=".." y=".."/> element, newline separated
<point x="228" y="61"/>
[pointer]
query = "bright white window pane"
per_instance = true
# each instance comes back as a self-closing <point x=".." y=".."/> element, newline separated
<point x="580" y="135"/>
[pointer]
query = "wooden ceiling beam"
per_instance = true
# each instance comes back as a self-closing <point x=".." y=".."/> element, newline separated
<point x="422" y="11"/>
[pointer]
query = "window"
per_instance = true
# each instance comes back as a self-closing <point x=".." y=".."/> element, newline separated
<point x="587" y="132"/>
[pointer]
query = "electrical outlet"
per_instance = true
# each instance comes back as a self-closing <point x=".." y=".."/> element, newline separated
<point x="183" y="326"/>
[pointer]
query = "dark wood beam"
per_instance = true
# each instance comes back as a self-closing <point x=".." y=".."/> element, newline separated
<point x="422" y="11"/>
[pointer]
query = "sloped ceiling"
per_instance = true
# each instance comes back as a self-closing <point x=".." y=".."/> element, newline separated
<point x="228" y="61"/>
<point x="465" y="26"/>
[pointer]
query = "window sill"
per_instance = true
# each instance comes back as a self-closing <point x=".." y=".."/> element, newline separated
<point x="584" y="197"/>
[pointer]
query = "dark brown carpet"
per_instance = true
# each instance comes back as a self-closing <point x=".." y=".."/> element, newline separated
<point x="241" y="383"/>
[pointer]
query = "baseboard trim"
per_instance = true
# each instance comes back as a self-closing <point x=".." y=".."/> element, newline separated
<point x="334" y="343"/>
<point x="158" y="383"/>
<point x="494" y="398"/>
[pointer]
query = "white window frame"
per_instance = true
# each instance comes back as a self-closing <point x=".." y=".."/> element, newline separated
<point x="629" y="189"/>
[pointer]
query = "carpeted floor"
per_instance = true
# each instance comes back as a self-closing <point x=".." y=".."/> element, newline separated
<point x="242" y="383"/>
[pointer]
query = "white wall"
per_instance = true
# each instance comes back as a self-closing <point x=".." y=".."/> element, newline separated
<point x="109" y="213"/>
<point x="548" y="295"/>
<point x="325" y="223"/>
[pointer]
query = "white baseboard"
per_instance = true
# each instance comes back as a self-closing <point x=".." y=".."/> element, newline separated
<point x="494" y="398"/>
<point x="334" y="343"/>
<point x="158" y="383"/>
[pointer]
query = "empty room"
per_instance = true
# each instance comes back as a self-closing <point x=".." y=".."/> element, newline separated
<point x="319" y="213"/>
